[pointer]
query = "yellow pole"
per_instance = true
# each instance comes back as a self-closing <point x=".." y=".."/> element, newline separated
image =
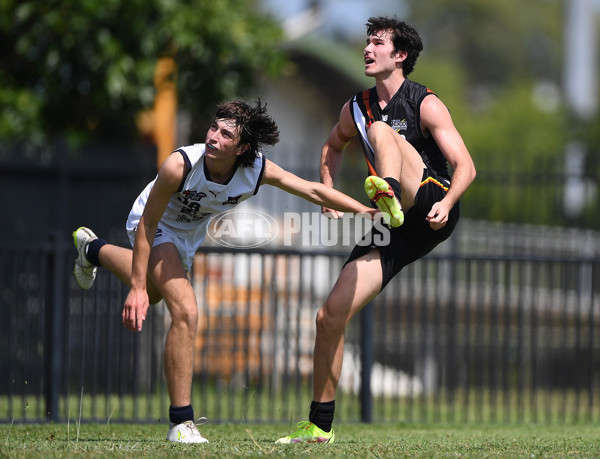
<point x="165" y="108"/>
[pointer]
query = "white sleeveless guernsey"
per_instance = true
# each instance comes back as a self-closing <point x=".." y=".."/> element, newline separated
<point x="191" y="208"/>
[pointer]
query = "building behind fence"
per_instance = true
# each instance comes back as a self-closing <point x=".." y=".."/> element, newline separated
<point x="499" y="324"/>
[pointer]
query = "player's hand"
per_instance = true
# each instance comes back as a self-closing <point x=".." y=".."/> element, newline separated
<point x="135" y="308"/>
<point x="330" y="213"/>
<point x="370" y="214"/>
<point x="438" y="216"/>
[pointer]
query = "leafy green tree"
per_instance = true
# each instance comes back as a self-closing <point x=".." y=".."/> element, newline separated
<point x="86" y="68"/>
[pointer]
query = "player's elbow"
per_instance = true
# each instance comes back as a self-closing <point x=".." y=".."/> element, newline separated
<point x="473" y="172"/>
<point x="467" y="170"/>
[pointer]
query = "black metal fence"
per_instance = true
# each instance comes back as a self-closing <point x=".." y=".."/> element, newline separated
<point x="454" y="337"/>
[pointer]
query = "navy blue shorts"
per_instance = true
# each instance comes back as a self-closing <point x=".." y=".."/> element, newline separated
<point x="415" y="238"/>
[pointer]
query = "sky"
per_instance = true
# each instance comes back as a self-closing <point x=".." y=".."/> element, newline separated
<point x="342" y="18"/>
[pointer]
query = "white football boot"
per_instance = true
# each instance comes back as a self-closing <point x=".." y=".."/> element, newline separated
<point x="85" y="272"/>
<point x="186" y="432"/>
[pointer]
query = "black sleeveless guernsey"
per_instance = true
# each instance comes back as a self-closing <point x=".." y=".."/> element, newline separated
<point x="403" y="115"/>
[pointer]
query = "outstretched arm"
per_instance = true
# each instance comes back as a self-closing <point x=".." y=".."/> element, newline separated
<point x="314" y="192"/>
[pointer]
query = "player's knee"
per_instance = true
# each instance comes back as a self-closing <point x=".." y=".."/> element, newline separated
<point x="328" y="322"/>
<point x="377" y="129"/>
<point x="186" y="317"/>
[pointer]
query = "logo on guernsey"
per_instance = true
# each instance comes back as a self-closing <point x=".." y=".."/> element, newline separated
<point x="232" y="200"/>
<point x="192" y="195"/>
<point x="399" y="125"/>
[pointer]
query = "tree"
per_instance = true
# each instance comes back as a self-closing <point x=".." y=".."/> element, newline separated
<point x="86" y="68"/>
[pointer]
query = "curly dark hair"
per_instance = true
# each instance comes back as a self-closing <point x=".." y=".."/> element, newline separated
<point x="404" y="38"/>
<point x="257" y="128"/>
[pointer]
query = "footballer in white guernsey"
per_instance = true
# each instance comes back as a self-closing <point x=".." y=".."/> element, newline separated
<point x="191" y="207"/>
<point x="168" y="222"/>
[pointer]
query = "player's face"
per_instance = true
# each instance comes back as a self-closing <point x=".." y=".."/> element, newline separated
<point x="379" y="55"/>
<point x="222" y="140"/>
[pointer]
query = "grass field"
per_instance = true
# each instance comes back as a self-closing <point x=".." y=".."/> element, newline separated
<point x="353" y="440"/>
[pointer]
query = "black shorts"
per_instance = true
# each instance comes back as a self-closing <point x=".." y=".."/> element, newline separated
<point x="415" y="238"/>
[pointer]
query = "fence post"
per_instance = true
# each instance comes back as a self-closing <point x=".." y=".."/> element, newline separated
<point x="53" y="368"/>
<point x="367" y="321"/>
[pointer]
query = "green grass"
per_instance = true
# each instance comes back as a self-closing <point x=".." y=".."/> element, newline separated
<point x="237" y="405"/>
<point x="256" y="440"/>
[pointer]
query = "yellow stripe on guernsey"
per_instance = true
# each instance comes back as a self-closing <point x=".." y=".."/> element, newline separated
<point x="432" y="180"/>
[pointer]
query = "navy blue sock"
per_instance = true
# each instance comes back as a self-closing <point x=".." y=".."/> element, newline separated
<point x="180" y="414"/>
<point x="321" y="414"/>
<point x="93" y="249"/>
<point x="395" y="185"/>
